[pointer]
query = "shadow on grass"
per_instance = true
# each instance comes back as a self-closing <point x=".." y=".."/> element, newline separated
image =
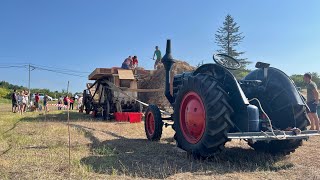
<point x="59" y="116"/>
<point x="140" y="158"/>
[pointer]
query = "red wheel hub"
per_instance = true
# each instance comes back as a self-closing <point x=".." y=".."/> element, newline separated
<point x="192" y="117"/>
<point x="150" y="123"/>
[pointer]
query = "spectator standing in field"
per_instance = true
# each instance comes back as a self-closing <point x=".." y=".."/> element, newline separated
<point x="65" y="102"/>
<point x="71" y="102"/>
<point x="23" y="103"/>
<point x="312" y="101"/>
<point x="157" y="53"/>
<point x="126" y="63"/>
<point x="60" y="102"/>
<point x="134" y="62"/>
<point x="45" y="101"/>
<point x="26" y="96"/>
<point x="25" y="100"/>
<point x="80" y="103"/>
<point x="14" y="99"/>
<point x="20" y="102"/>
<point x="36" y="101"/>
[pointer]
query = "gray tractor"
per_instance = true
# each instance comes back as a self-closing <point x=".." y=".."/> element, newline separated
<point x="211" y="107"/>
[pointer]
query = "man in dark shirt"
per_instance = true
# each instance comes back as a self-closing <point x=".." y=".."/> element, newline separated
<point x="14" y="98"/>
<point x="312" y="101"/>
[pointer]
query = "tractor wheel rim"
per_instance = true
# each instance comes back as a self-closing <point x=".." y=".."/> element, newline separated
<point x="150" y="123"/>
<point x="192" y="117"/>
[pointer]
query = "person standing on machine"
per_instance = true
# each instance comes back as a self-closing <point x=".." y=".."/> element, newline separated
<point x="312" y="101"/>
<point x="157" y="53"/>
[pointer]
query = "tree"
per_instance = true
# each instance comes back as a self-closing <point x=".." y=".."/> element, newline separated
<point x="228" y="38"/>
<point x="298" y="80"/>
<point x="316" y="78"/>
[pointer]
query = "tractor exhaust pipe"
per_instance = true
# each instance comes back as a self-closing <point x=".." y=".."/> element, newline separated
<point x="168" y="61"/>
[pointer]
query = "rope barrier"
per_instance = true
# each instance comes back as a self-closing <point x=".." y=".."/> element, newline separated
<point x="57" y="105"/>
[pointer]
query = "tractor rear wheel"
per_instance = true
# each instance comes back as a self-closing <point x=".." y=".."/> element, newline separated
<point x="201" y="116"/>
<point x="153" y="123"/>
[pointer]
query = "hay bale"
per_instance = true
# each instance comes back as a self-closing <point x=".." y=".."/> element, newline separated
<point x="157" y="81"/>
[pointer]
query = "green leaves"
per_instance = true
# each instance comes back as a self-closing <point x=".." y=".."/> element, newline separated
<point x="228" y="38"/>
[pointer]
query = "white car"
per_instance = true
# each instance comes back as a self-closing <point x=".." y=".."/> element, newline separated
<point x="41" y="96"/>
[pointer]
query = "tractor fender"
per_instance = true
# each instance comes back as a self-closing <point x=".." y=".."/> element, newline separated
<point x="228" y="82"/>
<point x="276" y="78"/>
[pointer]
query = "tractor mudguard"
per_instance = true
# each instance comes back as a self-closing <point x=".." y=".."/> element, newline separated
<point x="276" y="77"/>
<point x="243" y="113"/>
<point x="228" y="82"/>
<point x="279" y="98"/>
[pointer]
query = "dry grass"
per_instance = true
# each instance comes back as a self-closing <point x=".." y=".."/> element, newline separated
<point x="34" y="148"/>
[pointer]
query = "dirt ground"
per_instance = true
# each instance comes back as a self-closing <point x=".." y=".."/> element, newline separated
<point x="33" y="146"/>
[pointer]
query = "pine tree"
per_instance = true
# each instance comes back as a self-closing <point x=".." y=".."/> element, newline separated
<point x="228" y="38"/>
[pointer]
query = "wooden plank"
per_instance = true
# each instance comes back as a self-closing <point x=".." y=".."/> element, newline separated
<point x="100" y="72"/>
<point x="143" y="90"/>
<point x="125" y="74"/>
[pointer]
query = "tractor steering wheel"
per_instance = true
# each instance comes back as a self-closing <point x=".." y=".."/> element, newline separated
<point x="226" y="61"/>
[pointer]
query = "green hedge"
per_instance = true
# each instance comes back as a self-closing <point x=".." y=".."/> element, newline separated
<point x="4" y="93"/>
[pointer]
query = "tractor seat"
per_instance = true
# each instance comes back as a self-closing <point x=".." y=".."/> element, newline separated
<point x="251" y="82"/>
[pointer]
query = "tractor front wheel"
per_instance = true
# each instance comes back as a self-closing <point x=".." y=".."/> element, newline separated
<point x="201" y="116"/>
<point x="153" y="123"/>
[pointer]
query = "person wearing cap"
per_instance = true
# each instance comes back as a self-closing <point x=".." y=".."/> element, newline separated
<point x="312" y="101"/>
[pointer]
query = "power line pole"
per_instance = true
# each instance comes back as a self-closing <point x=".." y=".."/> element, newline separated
<point x="68" y="88"/>
<point x="29" y="83"/>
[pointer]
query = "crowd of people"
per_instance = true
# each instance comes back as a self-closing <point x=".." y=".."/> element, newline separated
<point x="132" y="62"/>
<point x="20" y="101"/>
<point x="67" y="102"/>
<point x="37" y="105"/>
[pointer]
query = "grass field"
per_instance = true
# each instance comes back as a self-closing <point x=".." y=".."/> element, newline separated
<point x="33" y="146"/>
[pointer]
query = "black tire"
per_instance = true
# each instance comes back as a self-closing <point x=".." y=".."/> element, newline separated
<point x="106" y="111"/>
<point x="153" y="128"/>
<point x="284" y="147"/>
<point x="276" y="147"/>
<point x="217" y="115"/>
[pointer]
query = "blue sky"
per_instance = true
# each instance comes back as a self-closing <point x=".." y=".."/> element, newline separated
<point x="82" y="35"/>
